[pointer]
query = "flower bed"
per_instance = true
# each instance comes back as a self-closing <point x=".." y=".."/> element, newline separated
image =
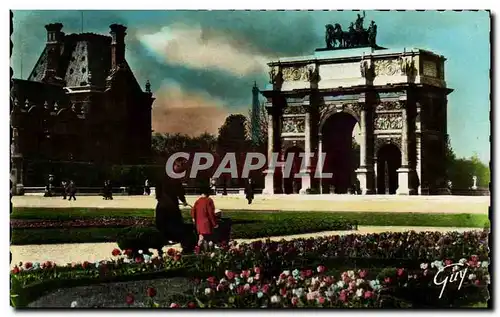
<point x="82" y="223"/>
<point x="373" y="252"/>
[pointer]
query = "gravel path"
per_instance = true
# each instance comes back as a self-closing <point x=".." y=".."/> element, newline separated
<point x="358" y="203"/>
<point x="92" y="252"/>
<point x="113" y="295"/>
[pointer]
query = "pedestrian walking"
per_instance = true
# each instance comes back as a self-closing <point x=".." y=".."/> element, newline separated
<point x="64" y="189"/>
<point x="249" y="191"/>
<point x="147" y="187"/>
<point x="71" y="190"/>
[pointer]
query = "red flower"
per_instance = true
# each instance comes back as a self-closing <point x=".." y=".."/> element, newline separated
<point x="474" y="258"/>
<point x="387" y="280"/>
<point x="400" y="272"/>
<point x="477" y="282"/>
<point x="48" y="264"/>
<point x="240" y="290"/>
<point x="321" y="269"/>
<point x="174" y="305"/>
<point x="265" y="289"/>
<point x="245" y="273"/>
<point x="85" y="265"/>
<point x="197" y="249"/>
<point x="368" y="294"/>
<point x="254" y="289"/>
<point x="211" y="280"/>
<point x="447" y="262"/>
<point x="309" y="273"/>
<point x="28" y="265"/>
<point x="128" y="252"/>
<point x="321" y="300"/>
<point x="191" y="305"/>
<point x="138" y="259"/>
<point x="295" y="301"/>
<point x="257" y="270"/>
<point x="116" y="252"/>
<point x="283" y="291"/>
<point x="229" y="275"/>
<point x="282" y="276"/>
<point x="15" y="270"/>
<point x="129" y="299"/>
<point x="362" y="273"/>
<point x="151" y="292"/>
<point x="177" y="257"/>
<point x="170" y="252"/>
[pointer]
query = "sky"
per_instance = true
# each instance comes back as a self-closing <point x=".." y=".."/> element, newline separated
<point x="202" y="64"/>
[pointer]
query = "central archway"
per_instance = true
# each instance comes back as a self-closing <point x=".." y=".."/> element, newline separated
<point x="388" y="162"/>
<point x="341" y="159"/>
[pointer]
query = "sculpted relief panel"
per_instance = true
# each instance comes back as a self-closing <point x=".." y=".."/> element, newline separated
<point x="295" y="74"/>
<point x="294" y="110"/>
<point x="293" y="125"/>
<point x="388" y="67"/>
<point x="388" y="121"/>
<point x="389" y="106"/>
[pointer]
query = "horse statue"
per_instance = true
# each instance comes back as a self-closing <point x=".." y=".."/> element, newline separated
<point x="329" y="36"/>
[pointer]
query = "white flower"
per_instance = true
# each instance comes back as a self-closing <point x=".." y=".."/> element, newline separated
<point x="126" y="260"/>
<point x="455" y="268"/>
<point x="287" y="273"/>
<point x="208" y="291"/>
<point x="359" y="281"/>
<point x="487" y="279"/>
<point x="298" y="291"/>
<point x="462" y="261"/>
<point x="212" y="255"/>
<point x="97" y="264"/>
<point x="437" y="264"/>
<point x="210" y="244"/>
<point x="322" y="284"/>
<point x="375" y="284"/>
<point x="340" y="284"/>
<point x="472" y="276"/>
<point x="223" y="280"/>
<point x="484" y="264"/>
<point x="296" y="273"/>
<point x="260" y="294"/>
<point x="329" y="293"/>
<point x="314" y="280"/>
<point x="359" y="292"/>
<point x="147" y="258"/>
<point x="250" y="280"/>
<point x="74" y="304"/>
<point x="246" y="287"/>
<point x="231" y="286"/>
<point x="424" y="266"/>
<point x="350" y="274"/>
<point x="237" y="280"/>
<point x="140" y="251"/>
<point x="275" y="299"/>
<point x="36" y="265"/>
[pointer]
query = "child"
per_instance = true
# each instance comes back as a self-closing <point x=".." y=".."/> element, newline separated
<point x="203" y="215"/>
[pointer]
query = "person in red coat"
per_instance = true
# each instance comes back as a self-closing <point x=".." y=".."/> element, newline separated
<point x="203" y="214"/>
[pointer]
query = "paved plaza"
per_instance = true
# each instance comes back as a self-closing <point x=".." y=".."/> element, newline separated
<point x="337" y="203"/>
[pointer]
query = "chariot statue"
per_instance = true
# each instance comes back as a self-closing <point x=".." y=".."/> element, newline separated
<point x="355" y="36"/>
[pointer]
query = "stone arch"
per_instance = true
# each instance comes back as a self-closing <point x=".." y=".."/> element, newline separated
<point x="332" y="110"/>
<point x="380" y="142"/>
<point x="388" y="162"/>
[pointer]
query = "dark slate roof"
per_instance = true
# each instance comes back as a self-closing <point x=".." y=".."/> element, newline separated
<point x="80" y="55"/>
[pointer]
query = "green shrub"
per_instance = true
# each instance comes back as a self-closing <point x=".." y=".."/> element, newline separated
<point x="136" y="239"/>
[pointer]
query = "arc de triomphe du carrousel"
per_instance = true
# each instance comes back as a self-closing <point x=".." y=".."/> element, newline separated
<point x="395" y="98"/>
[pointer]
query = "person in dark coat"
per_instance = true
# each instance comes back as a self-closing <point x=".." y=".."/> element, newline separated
<point x="249" y="191"/>
<point x="222" y="232"/>
<point x="71" y="190"/>
<point x="147" y="188"/>
<point x="168" y="216"/>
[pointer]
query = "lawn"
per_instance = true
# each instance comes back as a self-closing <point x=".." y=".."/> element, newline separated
<point x="246" y="224"/>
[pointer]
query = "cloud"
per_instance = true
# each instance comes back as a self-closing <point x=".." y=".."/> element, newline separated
<point x="178" y="111"/>
<point x="194" y="47"/>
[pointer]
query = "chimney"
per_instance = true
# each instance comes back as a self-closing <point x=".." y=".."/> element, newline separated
<point x="54" y="40"/>
<point x="117" y="44"/>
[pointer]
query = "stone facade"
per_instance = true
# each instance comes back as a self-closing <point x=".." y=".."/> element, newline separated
<point x="81" y="102"/>
<point x="398" y="97"/>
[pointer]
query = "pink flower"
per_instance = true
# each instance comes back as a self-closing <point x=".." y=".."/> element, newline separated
<point x="15" y="270"/>
<point x="387" y="280"/>
<point x="257" y="277"/>
<point x="177" y="257"/>
<point x="295" y="301"/>
<point x="257" y="270"/>
<point x="477" y="282"/>
<point x="174" y="305"/>
<point x="474" y="258"/>
<point x="321" y="300"/>
<point x="362" y="273"/>
<point x="308" y="273"/>
<point x="129" y="299"/>
<point x="197" y="249"/>
<point x="368" y="294"/>
<point x="321" y="269"/>
<point x="352" y="285"/>
<point x="138" y="259"/>
<point x="220" y="288"/>
<point x="447" y="262"/>
<point x="282" y="276"/>
<point x="246" y="287"/>
<point x="400" y="272"/>
<point x="240" y="290"/>
<point x="283" y="291"/>
<point x="229" y="275"/>
<point x="343" y="296"/>
<point x="245" y="273"/>
<point x="211" y="280"/>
